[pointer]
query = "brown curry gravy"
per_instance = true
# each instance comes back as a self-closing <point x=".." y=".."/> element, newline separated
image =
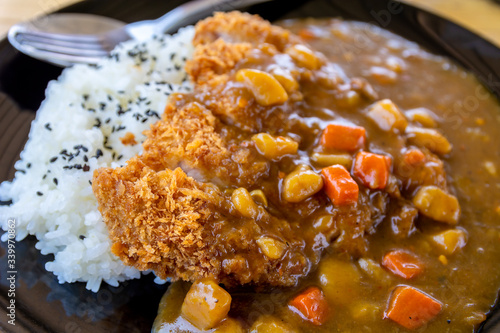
<point x="466" y="282"/>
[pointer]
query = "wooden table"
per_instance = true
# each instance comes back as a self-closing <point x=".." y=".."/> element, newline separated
<point x="480" y="16"/>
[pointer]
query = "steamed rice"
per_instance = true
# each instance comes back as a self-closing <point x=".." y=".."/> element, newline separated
<point x="77" y="130"/>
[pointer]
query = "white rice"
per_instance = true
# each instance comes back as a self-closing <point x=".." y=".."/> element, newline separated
<point x="86" y="111"/>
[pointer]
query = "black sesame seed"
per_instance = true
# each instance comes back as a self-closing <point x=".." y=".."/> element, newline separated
<point x="82" y="237"/>
<point x="28" y="165"/>
<point x="53" y="159"/>
<point x="47" y="126"/>
<point x="113" y="155"/>
<point x="98" y="153"/>
<point x="78" y="166"/>
<point x="85" y="97"/>
<point x="44" y="176"/>
<point x="119" y="157"/>
<point x="39" y="193"/>
<point x="85" y="158"/>
<point x="108" y="120"/>
<point x="86" y="168"/>
<point x="55" y="181"/>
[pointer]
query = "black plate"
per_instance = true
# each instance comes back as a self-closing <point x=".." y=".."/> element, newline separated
<point x="43" y="305"/>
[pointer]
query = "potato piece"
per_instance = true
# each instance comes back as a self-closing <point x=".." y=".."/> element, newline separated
<point x="428" y="138"/>
<point x="387" y="116"/>
<point x="450" y="241"/>
<point x="272" y="248"/>
<point x="229" y="326"/>
<point x="423" y="116"/>
<point x="301" y="184"/>
<point x="304" y="56"/>
<point x="339" y="280"/>
<point x="243" y="202"/>
<point x="264" y="87"/>
<point x="271" y="324"/>
<point x="331" y="159"/>
<point x="274" y="147"/>
<point x="365" y="311"/>
<point x="206" y="304"/>
<point x="435" y="203"/>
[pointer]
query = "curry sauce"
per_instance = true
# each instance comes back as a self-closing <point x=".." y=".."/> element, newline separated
<point x="323" y="176"/>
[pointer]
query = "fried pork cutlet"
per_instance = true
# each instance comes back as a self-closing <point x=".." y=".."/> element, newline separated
<point x="183" y="207"/>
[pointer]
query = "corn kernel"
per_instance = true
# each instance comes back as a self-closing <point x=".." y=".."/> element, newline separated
<point x="272" y="248"/>
<point x="259" y="197"/>
<point x="264" y="87"/>
<point x="274" y="147"/>
<point x="383" y="75"/>
<point x="490" y="167"/>
<point x="428" y="138"/>
<point x="442" y="259"/>
<point x="301" y="184"/>
<point x="244" y="203"/>
<point x="331" y="159"/>
<point x="304" y="56"/>
<point x="423" y="116"/>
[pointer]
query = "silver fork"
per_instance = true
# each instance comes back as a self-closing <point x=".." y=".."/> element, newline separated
<point x="39" y="39"/>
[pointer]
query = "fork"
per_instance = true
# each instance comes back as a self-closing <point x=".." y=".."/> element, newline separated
<point x="66" y="49"/>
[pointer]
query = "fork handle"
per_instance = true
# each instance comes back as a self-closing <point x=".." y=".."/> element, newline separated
<point x="193" y="11"/>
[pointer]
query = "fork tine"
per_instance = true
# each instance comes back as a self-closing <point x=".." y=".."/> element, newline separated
<point x="62" y="37"/>
<point x="29" y="38"/>
<point x="64" y="59"/>
<point x="68" y="50"/>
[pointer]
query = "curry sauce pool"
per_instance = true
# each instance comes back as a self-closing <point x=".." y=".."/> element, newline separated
<point x="421" y="129"/>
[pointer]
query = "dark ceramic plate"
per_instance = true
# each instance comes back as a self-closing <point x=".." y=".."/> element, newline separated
<point x="43" y="305"/>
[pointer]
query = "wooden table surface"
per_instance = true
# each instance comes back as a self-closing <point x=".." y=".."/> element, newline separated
<point x="480" y="16"/>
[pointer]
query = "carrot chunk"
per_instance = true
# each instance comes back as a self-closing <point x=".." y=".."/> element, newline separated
<point x="311" y="305"/>
<point x="403" y="263"/>
<point x="339" y="185"/>
<point x="372" y="169"/>
<point x="414" y="157"/>
<point x="411" y="308"/>
<point x="343" y="137"/>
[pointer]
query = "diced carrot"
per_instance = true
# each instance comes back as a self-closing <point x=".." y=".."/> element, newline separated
<point x="403" y="263"/>
<point x="412" y="308"/>
<point x="312" y="305"/>
<point x="343" y="137"/>
<point x="339" y="185"/>
<point x="372" y="169"/>
<point x="414" y="157"/>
